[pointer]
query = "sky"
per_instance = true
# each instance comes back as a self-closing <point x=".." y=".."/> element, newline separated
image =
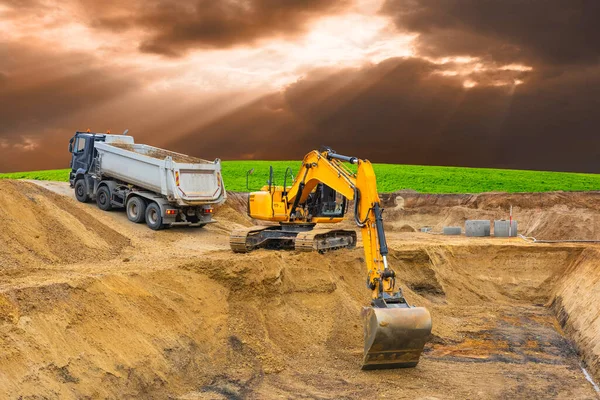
<point x="480" y="83"/>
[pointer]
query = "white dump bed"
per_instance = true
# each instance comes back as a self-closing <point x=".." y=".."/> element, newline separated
<point x="180" y="178"/>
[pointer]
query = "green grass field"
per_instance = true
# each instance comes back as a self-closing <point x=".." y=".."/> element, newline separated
<point x="392" y="177"/>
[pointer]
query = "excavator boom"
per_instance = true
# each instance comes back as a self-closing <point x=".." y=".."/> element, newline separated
<point x="395" y="332"/>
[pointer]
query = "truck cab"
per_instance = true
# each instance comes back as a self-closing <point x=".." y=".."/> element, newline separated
<point x="81" y="147"/>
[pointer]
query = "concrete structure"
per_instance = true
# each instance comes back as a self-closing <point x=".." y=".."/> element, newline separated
<point x="452" y="230"/>
<point x="502" y="228"/>
<point x="477" y="228"/>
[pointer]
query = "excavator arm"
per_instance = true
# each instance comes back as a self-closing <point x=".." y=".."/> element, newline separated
<point x="395" y="332"/>
<point x="361" y="186"/>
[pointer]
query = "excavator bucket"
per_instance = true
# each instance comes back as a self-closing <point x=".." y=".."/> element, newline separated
<point x="395" y="336"/>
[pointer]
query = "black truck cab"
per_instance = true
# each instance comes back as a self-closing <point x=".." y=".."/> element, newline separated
<point x="83" y="157"/>
<point x="83" y="153"/>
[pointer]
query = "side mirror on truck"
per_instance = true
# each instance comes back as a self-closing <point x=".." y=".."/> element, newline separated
<point x="71" y="144"/>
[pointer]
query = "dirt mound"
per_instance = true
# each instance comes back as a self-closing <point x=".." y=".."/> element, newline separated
<point x="39" y="226"/>
<point x="589" y="200"/>
<point x="178" y="315"/>
<point x="406" y="228"/>
<point x="160" y="153"/>
<point x="550" y="216"/>
<point x="575" y="302"/>
<point x="545" y="216"/>
<point x="234" y="211"/>
<point x="276" y="324"/>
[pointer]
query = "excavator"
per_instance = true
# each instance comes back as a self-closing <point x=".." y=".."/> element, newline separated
<point x="394" y="331"/>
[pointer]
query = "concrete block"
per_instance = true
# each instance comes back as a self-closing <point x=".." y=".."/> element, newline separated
<point x="399" y="202"/>
<point x="452" y="230"/>
<point x="501" y="228"/>
<point x="477" y="228"/>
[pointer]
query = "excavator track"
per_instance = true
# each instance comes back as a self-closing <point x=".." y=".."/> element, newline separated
<point x="238" y="240"/>
<point x="323" y="240"/>
<point x="274" y="237"/>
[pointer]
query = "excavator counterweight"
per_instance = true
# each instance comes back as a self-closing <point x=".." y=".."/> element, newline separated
<point x="395" y="332"/>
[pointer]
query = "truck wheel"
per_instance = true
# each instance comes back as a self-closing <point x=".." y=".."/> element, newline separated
<point x="136" y="209"/>
<point x="103" y="199"/>
<point x="153" y="217"/>
<point x="81" y="191"/>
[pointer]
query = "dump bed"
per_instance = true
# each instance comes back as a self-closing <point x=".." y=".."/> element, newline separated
<point x="180" y="178"/>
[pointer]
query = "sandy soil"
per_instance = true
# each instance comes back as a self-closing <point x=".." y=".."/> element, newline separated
<point x="550" y="216"/>
<point x="161" y="154"/>
<point x="94" y="306"/>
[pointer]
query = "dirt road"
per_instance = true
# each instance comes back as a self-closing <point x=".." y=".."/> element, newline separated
<point x="94" y="306"/>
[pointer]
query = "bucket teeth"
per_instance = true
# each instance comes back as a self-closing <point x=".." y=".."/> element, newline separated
<point x="395" y="336"/>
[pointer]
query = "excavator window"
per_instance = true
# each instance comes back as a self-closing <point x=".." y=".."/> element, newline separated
<point x="326" y="202"/>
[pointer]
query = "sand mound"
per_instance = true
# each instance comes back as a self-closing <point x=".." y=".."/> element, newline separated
<point x="575" y="303"/>
<point x="39" y="226"/>
<point x="550" y="216"/>
<point x="233" y="213"/>
<point x="186" y="318"/>
<point x="404" y="228"/>
<point x="275" y="324"/>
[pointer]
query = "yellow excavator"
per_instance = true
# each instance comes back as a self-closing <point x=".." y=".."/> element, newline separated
<point x="395" y="332"/>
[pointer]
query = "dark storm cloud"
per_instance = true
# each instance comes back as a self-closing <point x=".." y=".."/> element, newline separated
<point x="535" y="31"/>
<point x="48" y="151"/>
<point x="392" y="112"/>
<point x="40" y="87"/>
<point x="41" y="92"/>
<point x="174" y="26"/>
<point x="401" y="112"/>
<point x="46" y="95"/>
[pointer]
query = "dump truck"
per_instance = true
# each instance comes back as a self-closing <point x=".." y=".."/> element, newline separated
<point x="156" y="186"/>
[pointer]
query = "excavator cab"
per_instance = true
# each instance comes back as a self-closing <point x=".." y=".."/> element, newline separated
<point x="325" y="204"/>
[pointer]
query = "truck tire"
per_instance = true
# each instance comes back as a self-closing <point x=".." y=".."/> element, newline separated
<point x="136" y="209"/>
<point x="103" y="199"/>
<point x="153" y="217"/>
<point x="81" y="191"/>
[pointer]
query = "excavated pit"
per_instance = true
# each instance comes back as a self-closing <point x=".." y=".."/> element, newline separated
<point x="174" y="314"/>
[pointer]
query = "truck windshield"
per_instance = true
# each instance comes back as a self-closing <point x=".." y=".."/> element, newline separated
<point x="80" y="145"/>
